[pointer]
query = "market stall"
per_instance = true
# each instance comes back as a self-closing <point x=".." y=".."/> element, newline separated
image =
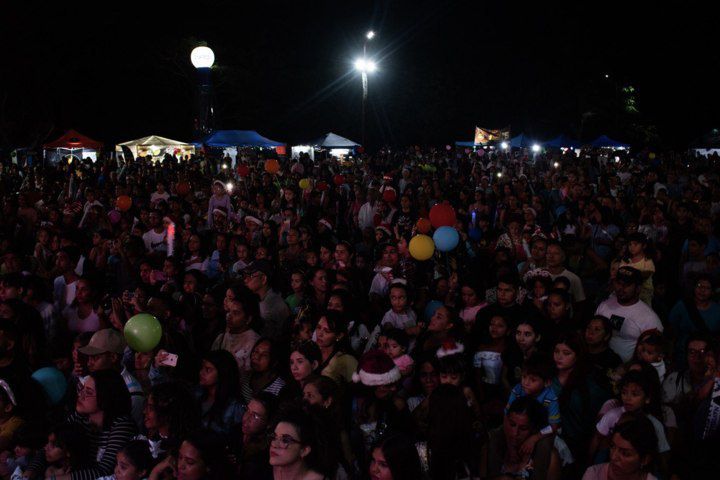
<point x="71" y="145"/>
<point x="336" y="145"/>
<point x="155" y="146"/>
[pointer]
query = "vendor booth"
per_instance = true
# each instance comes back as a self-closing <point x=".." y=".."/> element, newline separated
<point x="603" y="141"/>
<point x="156" y="147"/>
<point x="71" y="145"/>
<point x="336" y="145"/>
<point x="708" y="144"/>
<point x="230" y="140"/>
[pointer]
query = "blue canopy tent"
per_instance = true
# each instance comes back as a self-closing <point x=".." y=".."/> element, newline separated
<point x="522" y="141"/>
<point x="238" y="138"/>
<point x="562" y="141"/>
<point x="467" y="144"/>
<point x="603" y="141"/>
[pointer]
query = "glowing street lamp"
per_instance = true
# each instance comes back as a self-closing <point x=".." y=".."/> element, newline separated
<point x="203" y="59"/>
<point x="370" y="35"/>
<point x="504" y="145"/>
<point x="535" y="148"/>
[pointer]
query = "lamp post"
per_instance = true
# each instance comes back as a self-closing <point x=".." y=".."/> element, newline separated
<point x="365" y="66"/>
<point x="202" y="59"/>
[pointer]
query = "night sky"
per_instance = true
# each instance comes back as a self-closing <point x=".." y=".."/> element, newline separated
<point x="121" y="70"/>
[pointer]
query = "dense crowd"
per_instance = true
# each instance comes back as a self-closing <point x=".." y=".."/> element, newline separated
<point x="571" y="332"/>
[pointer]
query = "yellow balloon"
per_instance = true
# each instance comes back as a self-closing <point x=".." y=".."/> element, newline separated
<point x="421" y="247"/>
<point x="652" y="156"/>
<point x="304" y="183"/>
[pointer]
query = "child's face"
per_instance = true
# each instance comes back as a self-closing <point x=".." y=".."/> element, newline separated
<point x="393" y="349"/>
<point x="498" y="328"/>
<point x="53" y="453"/>
<point x="382" y="343"/>
<point x="296" y="282"/>
<point x="241" y="252"/>
<point x="635" y="248"/>
<point x="125" y="470"/>
<point x="633" y="397"/>
<point x="20" y="451"/>
<point x="525" y="337"/>
<point x="564" y="357"/>
<point x="398" y="299"/>
<point x="305" y="332"/>
<point x="649" y="353"/>
<point x="532" y="385"/>
<point x="450" y="379"/>
<point x="469" y="297"/>
<point x="595" y="333"/>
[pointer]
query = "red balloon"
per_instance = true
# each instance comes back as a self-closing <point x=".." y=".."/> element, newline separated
<point x="182" y="188"/>
<point x="123" y="203"/>
<point x="389" y="195"/>
<point x="243" y="170"/>
<point x="442" y="215"/>
<point x="322" y="186"/>
<point x="272" y="166"/>
<point x="338" y="179"/>
<point x="423" y="226"/>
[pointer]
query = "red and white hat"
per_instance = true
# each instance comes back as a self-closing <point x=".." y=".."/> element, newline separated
<point x="450" y="347"/>
<point x="326" y="222"/>
<point x="376" y="368"/>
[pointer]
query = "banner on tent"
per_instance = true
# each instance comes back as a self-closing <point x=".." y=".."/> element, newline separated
<point x="485" y="135"/>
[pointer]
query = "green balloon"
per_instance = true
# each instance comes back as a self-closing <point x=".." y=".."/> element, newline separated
<point x="143" y="332"/>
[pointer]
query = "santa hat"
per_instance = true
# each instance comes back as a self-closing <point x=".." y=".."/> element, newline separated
<point x="326" y="222"/>
<point x="376" y="368"/>
<point x="450" y="347"/>
<point x="250" y="218"/>
<point x="385" y="228"/>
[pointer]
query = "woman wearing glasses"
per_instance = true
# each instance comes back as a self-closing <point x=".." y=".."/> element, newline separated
<point x="297" y="449"/>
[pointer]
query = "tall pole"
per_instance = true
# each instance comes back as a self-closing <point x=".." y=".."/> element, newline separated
<point x="364" y="96"/>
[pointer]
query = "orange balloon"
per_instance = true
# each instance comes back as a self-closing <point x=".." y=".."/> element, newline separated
<point x="272" y="166"/>
<point x="123" y="203"/>
<point x="423" y="225"/>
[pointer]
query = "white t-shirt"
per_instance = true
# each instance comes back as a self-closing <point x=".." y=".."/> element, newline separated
<point x="155" y="242"/>
<point x="629" y="322"/>
<point x="156" y="196"/>
<point x="600" y="472"/>
<point x="607" y="423"/>
<point x="576" y="288"/>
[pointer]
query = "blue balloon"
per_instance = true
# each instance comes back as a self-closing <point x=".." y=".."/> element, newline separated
<point x="431" y="307"/>
<point x="53" y="383"/>
<point x="475" y="234"/>
<point x="446" y="238"/>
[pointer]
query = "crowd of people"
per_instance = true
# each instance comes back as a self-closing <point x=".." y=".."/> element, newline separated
<point x="571" y="332"/>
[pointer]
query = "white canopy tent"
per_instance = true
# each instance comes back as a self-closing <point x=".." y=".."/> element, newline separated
<point x="156" y="146"/>
<point x="337" y="145"/>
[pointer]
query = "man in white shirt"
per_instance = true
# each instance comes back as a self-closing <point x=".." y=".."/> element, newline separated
<point x="555" y="264"/>
<point x="155" y="238"/>
<point x="273" y="309"/>
<point x="629" y="316"/>
<point x="366" y="216"/>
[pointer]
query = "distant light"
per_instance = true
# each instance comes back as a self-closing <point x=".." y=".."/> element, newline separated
<point x="617" y="159"/>
<point x="202" y="57"/>
<point x="365" y="66"/>
<point x="607" y="76"/>
<point x="224" y="166"/>
<point x="370" y="35"/>
<point x="536" y="148"/>
<point x="556" y="164"/>
<point x="504" y="145"/>
<point x="499" y="174"/>
<point x="229" y="186"/>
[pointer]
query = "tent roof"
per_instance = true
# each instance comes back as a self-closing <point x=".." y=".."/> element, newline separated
<point x="562" y="141"/>
<point x="153" y="140"/>
<point x="73" y="139"/>
<point x="238" y="138"/>
<point x="709" y="140"/>
<point x="332" y="140"/>
<point x="467" y="144"/>
<point x="605" y="141"/>
<point x="522" y="141"/>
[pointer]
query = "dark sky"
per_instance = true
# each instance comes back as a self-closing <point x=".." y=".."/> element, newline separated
<point x="120" y="70"/>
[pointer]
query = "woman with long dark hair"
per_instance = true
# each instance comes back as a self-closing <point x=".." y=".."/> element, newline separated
<point x="395" y="457"/>
<point x="264" y="375"/>
<point x="218" y="392"/>
<point x="171" y="413"/>
<point x="331" y="337"/>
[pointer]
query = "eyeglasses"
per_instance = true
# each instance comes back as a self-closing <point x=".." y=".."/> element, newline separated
<point x="283" y="441"/>
<point x="83" y="392"/>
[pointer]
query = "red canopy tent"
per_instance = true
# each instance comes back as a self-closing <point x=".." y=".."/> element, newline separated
<point x="72" y="143"/>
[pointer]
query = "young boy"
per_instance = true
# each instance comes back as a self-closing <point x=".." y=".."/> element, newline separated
<point x="650" y="349"/>
<point x="537" y="375"/>
<point x="400" y="315"/>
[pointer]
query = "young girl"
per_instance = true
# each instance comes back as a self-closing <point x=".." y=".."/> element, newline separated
<point x="637" y="258"/>
<point x="452" y="368"/>
<point x="400" y="315"/>
<point x="65" y="450"/>
<point x="297" y="285"/>
<point x="242" y="256"/>
<point x="472" y="303"/>
<point x="488" y="358"/>
<point x="396" y="345"/>
<point x="650" y="349"/>
<point x="134" y="462"/>
<point x="526" y="341"/>
<point x="601" y="359"/>
<point x="637" y="395"/>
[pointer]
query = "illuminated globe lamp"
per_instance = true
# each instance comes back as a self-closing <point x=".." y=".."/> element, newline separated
<point x="202" y="57"/>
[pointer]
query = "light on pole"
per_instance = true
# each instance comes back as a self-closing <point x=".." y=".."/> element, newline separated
<point x="202" y="59"/>
<point x="364" y="66"/>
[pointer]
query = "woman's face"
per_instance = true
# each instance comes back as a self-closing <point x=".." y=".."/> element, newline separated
<point x="556" y="307"/>
<point x="254" y="419"/>
<point x="379" y="468"/>
<point x="190" y="465"/>
<point x="189" y="284"/>
<point x="324" y="336"/>
<point x="53" y="453"/>
<point x="469" y="297"/>
<point x="300" y="366"/>
<point x="517" y="428"/>
<point x="260" y="357"/>
<point x="429" y="378"/>
<point x="320" y="281"/>
<point x="296" y="282"/>
<point x="335" y="304"/>
<point x="208" y="374"/>
<point x="235" y="315"/>
<point x="87" y="398"/>
<point x="624" y="458"/>
<point x="285" y="448"/>
<point x="440" y="321"/>
<point x="311" y="396"/>
<point x="595" y="333"/>
<point x="525" y="337"/>
<point x="564" y="357"/>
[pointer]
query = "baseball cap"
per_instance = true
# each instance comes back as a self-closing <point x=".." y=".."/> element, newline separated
<point x="629" y="275"/>
<point x="262" y="266"/>
<point x="106" y="340"/>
